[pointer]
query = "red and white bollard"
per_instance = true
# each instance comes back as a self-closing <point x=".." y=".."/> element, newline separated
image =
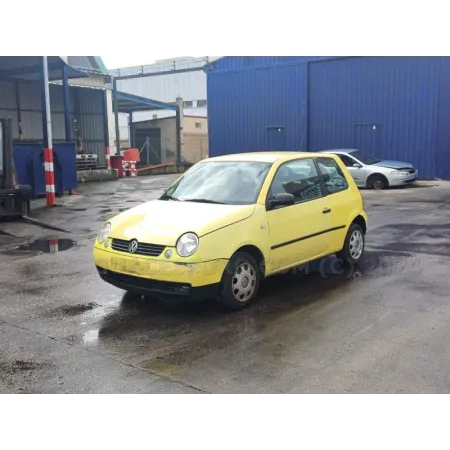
<point x="108" y="157"/>
<point x="133" y="171"/>
<point x="125" y="168"/>
<point x="53" y="245"/>
<point x="49" y="177"/>
<point x="129" y="168"/>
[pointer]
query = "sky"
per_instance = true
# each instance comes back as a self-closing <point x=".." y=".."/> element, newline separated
<point x="131" y="32"/>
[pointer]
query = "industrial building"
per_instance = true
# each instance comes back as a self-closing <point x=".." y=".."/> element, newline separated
<point x="393" y="107"/>
<point x="157" y="139"/>
<point x="88" y="110"/>
<point x="180" y="84"/>
<point x="54" y="111"/>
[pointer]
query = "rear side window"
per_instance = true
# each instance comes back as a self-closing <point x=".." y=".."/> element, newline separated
<point x="332" y="174"/>
<point x="348" y="162"/>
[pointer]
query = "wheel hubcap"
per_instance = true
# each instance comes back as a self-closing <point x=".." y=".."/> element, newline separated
<point x="244" y="282"/>
<point x="378" y="184"/>
<point x="356" y="244"/>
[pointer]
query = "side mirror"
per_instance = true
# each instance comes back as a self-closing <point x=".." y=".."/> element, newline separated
<point x="357" y="165"/>
<point x="282" y="199"/>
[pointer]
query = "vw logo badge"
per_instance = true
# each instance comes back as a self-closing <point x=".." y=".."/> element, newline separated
<point x="133" y="246"/>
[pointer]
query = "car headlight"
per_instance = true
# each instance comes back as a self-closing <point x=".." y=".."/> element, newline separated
<point x="187" y="244"/>
<point x="104" y="232"/>
<point x="399" y="173"/>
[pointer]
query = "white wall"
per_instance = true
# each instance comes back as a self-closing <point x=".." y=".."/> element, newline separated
<point x="166" y="88"/>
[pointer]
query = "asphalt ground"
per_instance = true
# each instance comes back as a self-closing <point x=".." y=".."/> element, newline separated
<point x="383" y="328"/>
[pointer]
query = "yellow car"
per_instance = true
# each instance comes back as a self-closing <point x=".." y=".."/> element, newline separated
<point x="229" y="222"/>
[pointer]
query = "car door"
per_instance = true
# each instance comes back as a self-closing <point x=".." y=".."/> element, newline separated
<point x="340" y="199"/>
<point x="358" y="173"/>
<point x="298" y="232"/>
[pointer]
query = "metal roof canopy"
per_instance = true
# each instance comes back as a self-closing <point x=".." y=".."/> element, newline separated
<point x="129" y="103"/>
<point x="28" y="68"/>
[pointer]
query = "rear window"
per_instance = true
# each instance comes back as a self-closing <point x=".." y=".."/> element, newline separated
<point x="332" y="174"/>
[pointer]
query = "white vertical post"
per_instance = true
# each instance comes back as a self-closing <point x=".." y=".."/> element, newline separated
<point x="48" y="144"/>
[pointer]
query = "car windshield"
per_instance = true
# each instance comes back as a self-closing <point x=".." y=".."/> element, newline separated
<point x="230" y="183"/>
<point x="365" y="158"/>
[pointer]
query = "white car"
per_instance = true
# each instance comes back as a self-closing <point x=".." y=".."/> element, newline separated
<point x="374" y="173"/>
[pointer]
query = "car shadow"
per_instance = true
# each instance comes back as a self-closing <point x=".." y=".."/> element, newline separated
<point x="165" y="337"/>
<point x="277" y="295"/>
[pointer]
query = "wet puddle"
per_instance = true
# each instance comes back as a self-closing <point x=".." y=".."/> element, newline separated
<point x="113" y="210"/>
<point x="46" y="245"/>
<point x="90" y="336"/>
<point x="72" y="310"/>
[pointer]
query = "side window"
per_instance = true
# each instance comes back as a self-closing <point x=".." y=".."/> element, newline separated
<point x="333" y="176"/>
<point x="299" y="178"/>
<point x="348" y="162"/>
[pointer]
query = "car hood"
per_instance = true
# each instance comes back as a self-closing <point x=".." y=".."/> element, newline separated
<point x="394" y="164"/>
<point x="163" y="222"/>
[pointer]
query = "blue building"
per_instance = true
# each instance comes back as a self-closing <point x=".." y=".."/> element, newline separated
<point x="394" y="107"/>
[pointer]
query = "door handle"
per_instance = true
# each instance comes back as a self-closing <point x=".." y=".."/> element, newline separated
<point x="326" y="210"/>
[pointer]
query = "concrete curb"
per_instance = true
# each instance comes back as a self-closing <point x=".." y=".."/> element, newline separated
<point x="84" y="176"/>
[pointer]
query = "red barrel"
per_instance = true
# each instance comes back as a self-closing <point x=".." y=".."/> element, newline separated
<point x="116" y="163"/>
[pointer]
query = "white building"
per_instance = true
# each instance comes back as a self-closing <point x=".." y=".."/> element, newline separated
<point x="166" y="87"/>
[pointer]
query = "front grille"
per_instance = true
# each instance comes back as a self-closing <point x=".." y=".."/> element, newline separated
<point x="121" y="245"/>
<point x="407" y="169"/>
<point x="128" y="281"/>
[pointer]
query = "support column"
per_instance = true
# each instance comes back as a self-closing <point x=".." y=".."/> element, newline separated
<point x="116" y="115"/>
<point x="179" y="127"/>
<point x="106" y="130"/>
<point x="131" y="130"/>
<point x="47" y="131"/>
<point x="66" y="94"/>
<point x="19" y="112"/>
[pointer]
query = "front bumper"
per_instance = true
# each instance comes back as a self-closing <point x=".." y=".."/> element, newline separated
<point x="395" y="180"/>
<point x="152" y="275"/>
<point x="152" y="287"/>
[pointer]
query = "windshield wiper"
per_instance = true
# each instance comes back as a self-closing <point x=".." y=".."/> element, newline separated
<point x="169" y="197"/>
<point x="203" y="200"/>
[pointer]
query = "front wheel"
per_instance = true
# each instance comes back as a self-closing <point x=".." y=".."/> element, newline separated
<point x="240" y="282"/>
<point x="377" y="182"/>
<point x="353" y="245"/>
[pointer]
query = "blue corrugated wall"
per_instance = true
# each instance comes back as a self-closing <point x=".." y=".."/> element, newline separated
<point x="248" y="106"/>
<point x="395" y="107"/>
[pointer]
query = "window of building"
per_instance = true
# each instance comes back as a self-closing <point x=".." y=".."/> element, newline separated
<point x="299" y="178"/>
<point x="201" y="103"/>
<point x="198" y="124"/>
<point x="332" y="175"/>
<point x="188" y="104"/>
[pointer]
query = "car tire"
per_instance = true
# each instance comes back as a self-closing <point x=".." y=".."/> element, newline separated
<point x="240" y="282"/>
<point x="377" y="182"/>
<point x="354" y="244"/>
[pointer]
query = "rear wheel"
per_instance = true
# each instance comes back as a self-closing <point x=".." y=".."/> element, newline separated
<point x="377" y="182"/>
<point x="240" y="282"/>
<point x="353" y="245"/>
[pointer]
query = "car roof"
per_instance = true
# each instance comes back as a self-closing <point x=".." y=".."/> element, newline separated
<point x="269" y="157"/>
<point x="340" y="150"/>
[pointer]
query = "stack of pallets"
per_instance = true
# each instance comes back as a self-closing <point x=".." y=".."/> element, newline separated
<point x="87" y="161"/>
